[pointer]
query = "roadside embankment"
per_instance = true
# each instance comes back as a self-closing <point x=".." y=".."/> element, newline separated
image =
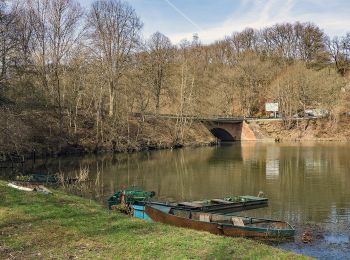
<point x="61" y="226"/>
<point x="304" y="130"/>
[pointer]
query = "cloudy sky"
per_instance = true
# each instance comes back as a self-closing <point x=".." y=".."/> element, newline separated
<point x="213" y="19"/>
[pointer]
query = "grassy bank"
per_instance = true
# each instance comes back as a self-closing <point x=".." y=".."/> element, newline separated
<point x="60" y="226"/>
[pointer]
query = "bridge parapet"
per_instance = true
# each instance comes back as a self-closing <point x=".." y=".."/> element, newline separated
<point x="213" y="118"/>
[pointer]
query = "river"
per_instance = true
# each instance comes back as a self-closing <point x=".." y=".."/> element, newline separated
<point x="308" y="184"/>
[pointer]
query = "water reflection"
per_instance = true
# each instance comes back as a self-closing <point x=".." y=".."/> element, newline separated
<point x="337" y="239"/>
<point x="307" y="182"/>
<point x="304" y="182"/>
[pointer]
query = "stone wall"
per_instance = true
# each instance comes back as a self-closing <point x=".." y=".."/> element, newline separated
<point x="247" y="133"/>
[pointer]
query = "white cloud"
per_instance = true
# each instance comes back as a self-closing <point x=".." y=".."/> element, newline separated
<point x="261" y="13"/>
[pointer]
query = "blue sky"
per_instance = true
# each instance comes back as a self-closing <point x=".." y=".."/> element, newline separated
<point x="214" y="19"/>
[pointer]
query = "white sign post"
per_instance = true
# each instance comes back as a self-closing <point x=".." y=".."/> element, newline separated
<point x="272" y="107"/>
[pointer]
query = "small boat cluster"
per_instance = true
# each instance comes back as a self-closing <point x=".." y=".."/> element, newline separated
<point x="217" y="216"/>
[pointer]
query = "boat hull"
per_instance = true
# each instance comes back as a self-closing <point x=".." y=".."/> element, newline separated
<point x="160" y="214"/>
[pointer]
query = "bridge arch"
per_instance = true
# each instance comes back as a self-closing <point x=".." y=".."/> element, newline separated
<point x="229" y="131"/>
<point x="223" y="135"/>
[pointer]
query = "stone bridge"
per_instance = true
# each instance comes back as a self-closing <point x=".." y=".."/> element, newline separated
<point x="229" y="130"/>
<point x="226" y="129"/>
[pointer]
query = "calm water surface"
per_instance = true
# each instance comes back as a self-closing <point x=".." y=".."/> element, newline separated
<point x="308" y="184"/>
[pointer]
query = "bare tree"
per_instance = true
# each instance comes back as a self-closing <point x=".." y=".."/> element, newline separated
<point x="113" y="32"/>
<point x="244" y="41"/>
<point x="38" y="17"/>
<point x="160" y="57"/>
<point x="55" y="26"/>
<point x="140" y="82"/>
<point x="62" y="36"/>
<point x="8" y="42"/>
<point x="339" y="49"/>
<point x="280" y="39"/>
<point x="310" y="40"/>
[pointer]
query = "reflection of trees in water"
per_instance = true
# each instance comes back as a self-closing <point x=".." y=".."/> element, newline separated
<point x="311" y="178"/>
<point x="99" y="180"/>
<point x="306" y="183"/>
<point x="183" y="171"/>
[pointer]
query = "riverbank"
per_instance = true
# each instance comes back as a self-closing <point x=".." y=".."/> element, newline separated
<point x="38" y="132"/>
<point x="36" y="226"/>
<point x="305" y="130"/>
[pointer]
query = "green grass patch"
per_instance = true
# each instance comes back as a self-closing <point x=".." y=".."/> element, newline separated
<point x="62" y="226"/>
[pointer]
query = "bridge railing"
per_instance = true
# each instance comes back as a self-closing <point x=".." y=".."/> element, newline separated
<point x="194" y="117"/>
<point x="218" y="118"/>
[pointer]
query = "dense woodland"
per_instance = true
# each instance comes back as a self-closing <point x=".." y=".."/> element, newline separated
<point x="92" y="69"/>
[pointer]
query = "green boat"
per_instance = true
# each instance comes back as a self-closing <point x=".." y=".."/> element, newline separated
<point x="134" y="196"/>
<point x="130" y="196"/>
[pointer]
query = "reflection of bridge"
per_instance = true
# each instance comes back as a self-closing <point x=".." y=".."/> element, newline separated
<point x="224" y="128"/>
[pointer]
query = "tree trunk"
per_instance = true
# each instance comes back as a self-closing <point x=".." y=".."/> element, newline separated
<point x="111" y="99"/>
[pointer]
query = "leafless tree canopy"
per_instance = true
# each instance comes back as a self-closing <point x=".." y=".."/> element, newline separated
<point x="113" y="32"/>
<point x="93" y="69"/>
<point x="160" y="56"/>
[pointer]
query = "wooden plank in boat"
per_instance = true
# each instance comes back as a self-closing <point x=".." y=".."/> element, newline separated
<point x="202" y="202"/>
<point x="237" y="222"/>
<point x="247" y="197"/>
<point x="204" y="217"/>
<point x="190" y="204"/>
<point x="220" y="201"/>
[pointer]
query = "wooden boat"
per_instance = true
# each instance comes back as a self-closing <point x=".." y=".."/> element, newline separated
<point x="134" y="196"/>
<point x="223" y="206"/>
<point x="236" y="226"/>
